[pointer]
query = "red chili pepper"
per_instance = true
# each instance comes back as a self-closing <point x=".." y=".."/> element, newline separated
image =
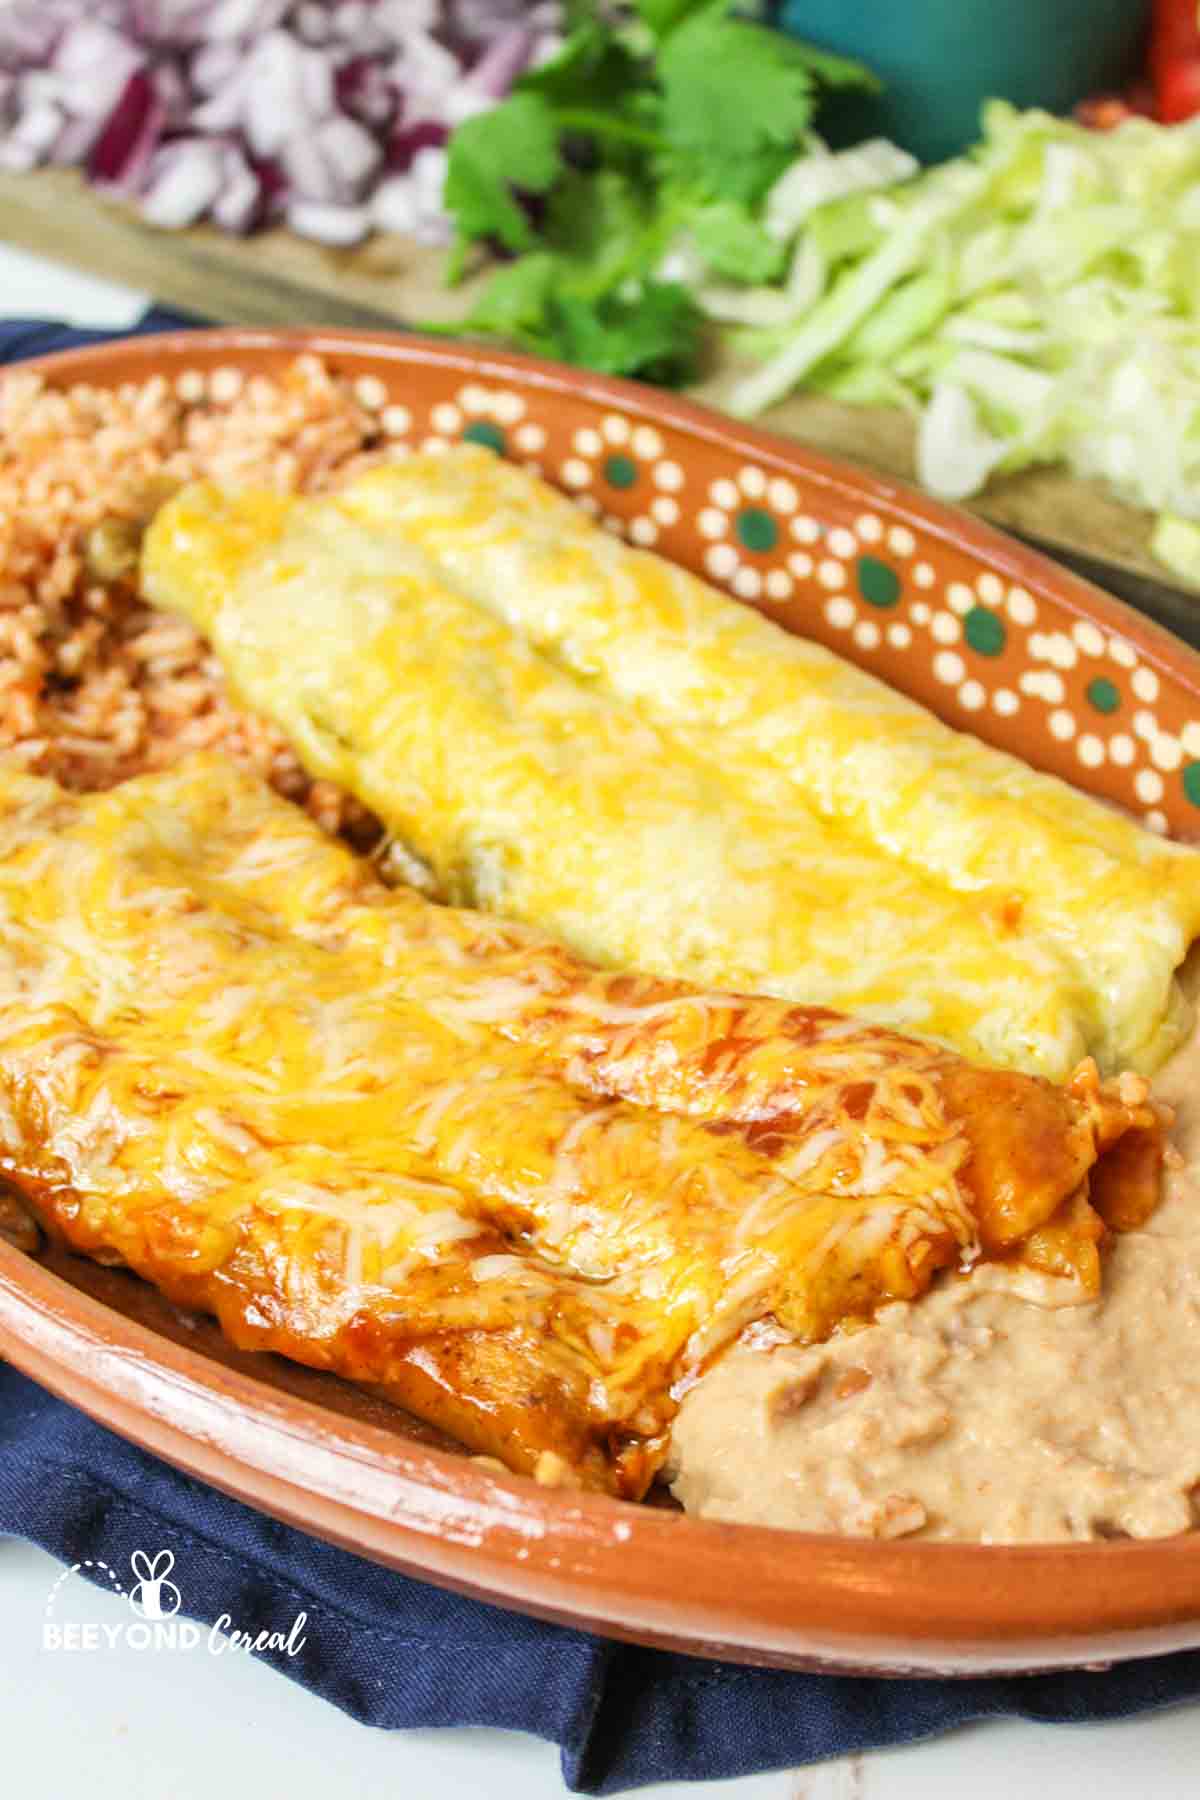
<point x="1103" y="112"/>
<point x="1173" y="59"/>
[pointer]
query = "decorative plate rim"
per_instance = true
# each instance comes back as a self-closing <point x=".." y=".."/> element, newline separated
<point x="785" y="1598"/>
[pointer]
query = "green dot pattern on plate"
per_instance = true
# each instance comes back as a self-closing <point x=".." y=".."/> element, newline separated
<point x="482" y="431"/>
<point x="620" y="471"/>
<point x="1103" y="695"/>
<point x="984" y="631"/>
<point x="878" y="582"/>
<point x="1191" y="782"/>
<point x="757" y="529"/>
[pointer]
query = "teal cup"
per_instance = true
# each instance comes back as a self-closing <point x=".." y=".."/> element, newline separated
<point x="940" y="59"/>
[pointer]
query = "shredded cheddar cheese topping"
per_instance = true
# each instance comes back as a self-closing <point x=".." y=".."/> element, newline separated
<point x="434" y="1151"/>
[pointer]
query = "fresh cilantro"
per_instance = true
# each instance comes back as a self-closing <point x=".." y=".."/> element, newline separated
<point x="656" y="124"/>
<point x="514" y="302"/>
<point x="653" y="334"/>
<point x="594" y="68"/>
<point x="513" y="146"/>
<point x="738" y="101"/>
<point x="652" y="331"/>
<point x="662" y="16"/>
<point x="733" y="242"/>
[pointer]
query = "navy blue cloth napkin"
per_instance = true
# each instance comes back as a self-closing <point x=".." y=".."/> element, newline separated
<point x="396" y="1653"/>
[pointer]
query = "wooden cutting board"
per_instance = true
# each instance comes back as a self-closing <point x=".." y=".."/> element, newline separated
<point x="275" y="278"/>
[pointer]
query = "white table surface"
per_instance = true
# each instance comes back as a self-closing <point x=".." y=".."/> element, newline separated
<point x="124" y="1725"/>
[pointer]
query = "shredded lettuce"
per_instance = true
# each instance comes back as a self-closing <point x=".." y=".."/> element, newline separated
<point x="1037" y="300"/>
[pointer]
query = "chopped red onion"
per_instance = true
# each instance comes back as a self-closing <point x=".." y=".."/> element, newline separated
<point x="239" y="205"/>
<point x="363" y="89"/>
<point x="499" y="67"/>
<point x="244" y="18"/>
<point x="183" y="181"/>
<point x="313" y="22"/>
<point x="337" y="226"/>
<point x="283" y="88"/>
<point x="38" y="128"/>
<point x="352" y="151"/>
<point x="396" y="206"/>
<point x="405" y="19"/>
<point x="405" y="144"/>
<point x="173" y="24"/>
<point x="176" y="97"/>
<point x="74" y="142"/>
<point x="333" y="113"/>
<point x="213" y="65"/>
<point x="29" y="32"/>
<point x="130" y="136"/>
<point x="17" y="159"/>
<point x="93" y="62"/>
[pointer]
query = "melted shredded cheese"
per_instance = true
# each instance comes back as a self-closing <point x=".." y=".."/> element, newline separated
<point x="373" y="1122"/>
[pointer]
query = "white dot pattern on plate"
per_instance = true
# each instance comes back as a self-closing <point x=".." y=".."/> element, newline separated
<point x="769" y="534"/>
<point x="1166" y="752"/>
<point x="1042" y="684"/>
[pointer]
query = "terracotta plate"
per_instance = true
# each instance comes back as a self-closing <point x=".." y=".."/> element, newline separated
<point x="995" y="639"/>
